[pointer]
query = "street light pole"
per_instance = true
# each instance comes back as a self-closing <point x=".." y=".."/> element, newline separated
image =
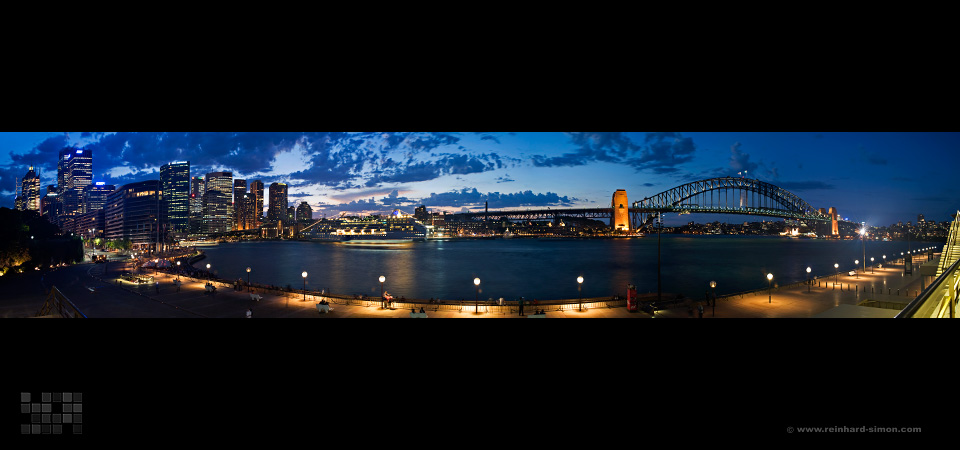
<point x="383" y="302"/>
<point x="304" y="275"/>
<point x="579" y="292"/>
<point x="713" y="293"/>
<point x="178" y="270"/>
<point x="808" y="280"/>
<point x="476" y="304"/>
<point x="871" y="264"/>
<point x="248" y="280"/>
<point x="855" y="271"/>
<point x="769" y="288"/>
<point x="836" y="266"/>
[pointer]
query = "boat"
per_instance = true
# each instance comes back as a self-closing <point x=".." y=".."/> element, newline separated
<point x="390" y="230"/>
<point x="198" y="243"/>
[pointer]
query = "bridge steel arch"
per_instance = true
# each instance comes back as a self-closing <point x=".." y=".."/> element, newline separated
<point x="787" y="204"/>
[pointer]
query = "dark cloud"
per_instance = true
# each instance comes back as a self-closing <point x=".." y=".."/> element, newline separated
<point x="804" y="185"/>
<point x="648" y="184"/>
<point x="660" y="152"/>
<point x="471" y="197"/>
<point x="504" y="179"/>
<point x="872" y="158"/>
<point x="488" y="137"/>
<point x="740" y="161"/>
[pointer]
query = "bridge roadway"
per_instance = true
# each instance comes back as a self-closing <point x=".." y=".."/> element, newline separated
<point x="128" y="300"/>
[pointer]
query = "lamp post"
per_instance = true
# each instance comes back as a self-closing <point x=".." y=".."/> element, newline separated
<point x="713" y="294"/>
<point x="769" y="288"/>
<point x="884" y="259"/>
<point x="863" y="234"/>
<point x="871" y="264"/>
<point x="178" y="270"/>
<point x="382" y="300"/>
<point x="304" y="275"/>
<point x="208" y="272"/>
<point x="836" y="266"/>
<point x="248" y="280"/>
<point x="856" y="272"/>
<point x="808" y="279"/>
<point x="579" y="292"/>
<point x="476" y="304"/>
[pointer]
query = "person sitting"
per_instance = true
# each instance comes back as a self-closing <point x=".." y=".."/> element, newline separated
<point x="422" y="311"/>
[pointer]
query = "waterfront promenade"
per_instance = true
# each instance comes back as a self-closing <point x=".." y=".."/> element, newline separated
<point x="100" y="293"/>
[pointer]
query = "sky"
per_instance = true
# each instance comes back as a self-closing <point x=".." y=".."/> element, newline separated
<point x="879" y="177"/>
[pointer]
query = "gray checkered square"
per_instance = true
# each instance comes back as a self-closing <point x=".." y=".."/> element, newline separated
<point x="24" y="397"/>
<point x="45" y="397"/>
<point x="68" y="396"/>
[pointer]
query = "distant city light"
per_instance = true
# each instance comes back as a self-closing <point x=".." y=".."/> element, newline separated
<point x="100" y="183"/>
<point x="79" y="151"/>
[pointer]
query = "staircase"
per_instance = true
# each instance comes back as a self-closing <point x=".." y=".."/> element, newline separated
<point x="951" y="250"/>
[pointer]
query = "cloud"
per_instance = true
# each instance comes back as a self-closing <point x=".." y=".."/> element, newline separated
<point x="472" y="197"/>
<point x="660" y="152"/>
<point x="872" y="158"/>
<point x="504" y="179"/>
<point x="488" y="137"/>
<point x="740" y="161"/>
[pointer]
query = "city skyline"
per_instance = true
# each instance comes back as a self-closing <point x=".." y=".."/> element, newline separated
<point x="879" y="178"/>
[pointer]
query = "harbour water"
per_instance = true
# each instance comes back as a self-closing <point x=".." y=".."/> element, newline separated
<point x="544" y="269"/>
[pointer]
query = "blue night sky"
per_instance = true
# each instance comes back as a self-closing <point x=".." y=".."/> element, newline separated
<point x="879" y="178"/>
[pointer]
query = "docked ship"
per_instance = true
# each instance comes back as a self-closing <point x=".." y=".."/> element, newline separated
<point x="394" y="229"/>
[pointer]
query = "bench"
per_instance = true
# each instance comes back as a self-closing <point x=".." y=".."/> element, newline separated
<point x="255" y="297"/>
<point x="323" y="309"/>
<point x="418" y="315"/>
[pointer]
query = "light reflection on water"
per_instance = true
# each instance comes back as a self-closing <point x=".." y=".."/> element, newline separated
<point x="542" y="269"/>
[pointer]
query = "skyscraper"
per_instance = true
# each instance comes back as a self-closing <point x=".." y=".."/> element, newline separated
<point x="30" y="190"/>
<point x="133" y="212"/>
<point x="239" y="190"/>
<point x="74" y="172"/>
<point x="256" y="192"/>
<point x="175" y="196"/>
<point x="304" y="212"/>
<point x="218" y="202"/>
<point x="95" y="196"/>
<point x="278" y="203"/>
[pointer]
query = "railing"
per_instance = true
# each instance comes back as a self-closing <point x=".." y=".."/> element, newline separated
<point x="937" y="300"/>
<point x="58" y="302"/>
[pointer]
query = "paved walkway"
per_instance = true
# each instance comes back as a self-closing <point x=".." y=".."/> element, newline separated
<point x="108" y="298"/>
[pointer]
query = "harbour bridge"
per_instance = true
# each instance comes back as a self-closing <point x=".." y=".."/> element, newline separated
<point x="724" y="195"/>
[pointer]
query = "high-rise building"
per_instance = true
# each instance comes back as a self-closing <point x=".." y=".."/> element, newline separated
<point x="239" y="190"/>
<point x="245" y="213"/>
<point x="291" y="215"/>
<point x="218" y="202"/>
<point x="175" y="195"/>
<point x="304" y="212"/>
<point x="196" y="196"/>
<point x="420" y="213"/>
<point x="277" y="210"/>
<point x="256" y="191"/>
<point x="50" y="206"/>
<point x="30" y="190"/>
<point x="133" y="212"/>
<point x="74" y="172"/>
<point x="919" y="218"/>
<point x="95" y="196"/>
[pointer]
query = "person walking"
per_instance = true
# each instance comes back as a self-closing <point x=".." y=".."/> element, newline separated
<point x="521" y="306"/>
<point x="700" y="309"/>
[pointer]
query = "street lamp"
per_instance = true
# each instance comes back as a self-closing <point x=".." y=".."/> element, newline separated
<point x="304" y="275"/>
<point x="579" y="292"/>
<point x="769" y="288"/>
<point x="178" y="270"/>
<point x="476" y="282"/>
<point x="856" y="262"/>
<point x="808" y="279"/>
<point x="871" y="264"/>
<point x="383" y="303"/>
<point x="248" y="279"/>
<point x="836" y="266"/>
<point x="208" y="272"/>
<point x="713" y="293"/>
